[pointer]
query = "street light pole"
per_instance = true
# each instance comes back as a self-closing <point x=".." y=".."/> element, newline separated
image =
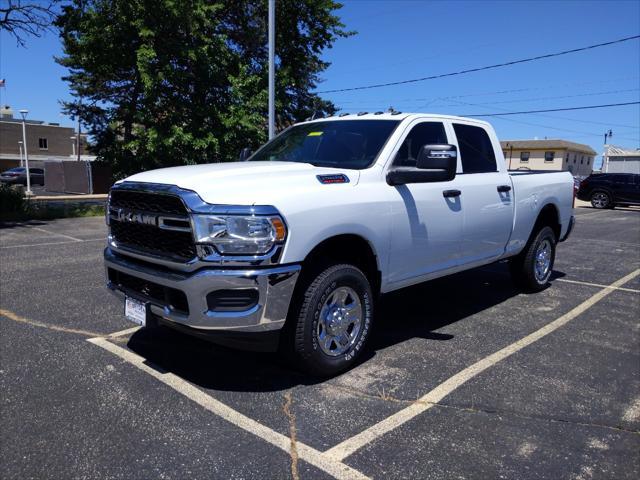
<point x="20" y="148"/>
<point x="78" y="139"/>
<point x="272" y="81"/>
<point x="23" y="113"/>
<point x="73" y="146"/>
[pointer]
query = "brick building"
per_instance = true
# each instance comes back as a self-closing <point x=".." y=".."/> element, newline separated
<point x="576" y="158"/>
<point x="45" y="141"/>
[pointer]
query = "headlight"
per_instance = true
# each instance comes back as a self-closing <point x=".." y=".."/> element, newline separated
<point x="239" y="235"/>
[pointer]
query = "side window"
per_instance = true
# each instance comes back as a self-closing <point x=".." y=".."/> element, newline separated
<point x="476" y="150"/>
<point x="426" y="133"/>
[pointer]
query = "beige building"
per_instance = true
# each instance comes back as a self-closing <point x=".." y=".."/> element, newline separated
<point x="576" y="158"/>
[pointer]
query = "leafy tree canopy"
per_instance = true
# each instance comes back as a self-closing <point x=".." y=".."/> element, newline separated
<point x="174" y="82"/>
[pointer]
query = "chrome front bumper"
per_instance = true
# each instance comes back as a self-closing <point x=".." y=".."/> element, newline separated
<point x="274" y="286"/>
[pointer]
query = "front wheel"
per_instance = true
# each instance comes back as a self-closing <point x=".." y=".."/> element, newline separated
<point x="332" y="320"/>
<point x="600" y="199"/>
<point x="531" y="268"/>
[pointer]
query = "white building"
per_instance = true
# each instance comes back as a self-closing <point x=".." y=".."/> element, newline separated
<point x="620" y="160"/>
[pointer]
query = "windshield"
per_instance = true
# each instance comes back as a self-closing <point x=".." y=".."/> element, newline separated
<point x="16" y="170"/>
<point x="340" y="143"/>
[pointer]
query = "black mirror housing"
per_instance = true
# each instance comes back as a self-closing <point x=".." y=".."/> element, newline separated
<point x="245" y="153"/>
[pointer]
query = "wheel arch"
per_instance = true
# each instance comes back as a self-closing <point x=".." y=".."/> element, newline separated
<point x="348" y="248"/>
<point x="549" y="215"/>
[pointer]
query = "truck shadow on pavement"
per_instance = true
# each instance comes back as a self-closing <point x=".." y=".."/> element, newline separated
<point x="414" y="312"/>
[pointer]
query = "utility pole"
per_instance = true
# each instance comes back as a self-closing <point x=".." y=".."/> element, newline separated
<point x="272" y="78"/>
<point x="605" y="157"/>
<point x="23" y="113"/>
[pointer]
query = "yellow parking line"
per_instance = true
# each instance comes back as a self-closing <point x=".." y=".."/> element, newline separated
<point x="34" y="323"/>
<point x="351" y="445"/>
<point x="316" y="458"/>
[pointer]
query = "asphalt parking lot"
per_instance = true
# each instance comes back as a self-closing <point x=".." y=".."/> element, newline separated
<point x="465" y="378"/>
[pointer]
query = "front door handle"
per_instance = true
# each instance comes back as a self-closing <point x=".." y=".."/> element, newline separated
<point x="451" y="193"/>
<point x="504" y="188"/>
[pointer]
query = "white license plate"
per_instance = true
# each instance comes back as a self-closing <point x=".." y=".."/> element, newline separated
<point x="135" y="311"/>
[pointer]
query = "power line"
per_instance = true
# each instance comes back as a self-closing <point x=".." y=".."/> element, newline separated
<point x="551" y="110"/>
<point x="488" y="67"/>
<point x="582" y="133"/>
<point x="539" y="99"/>
<point x="497" y="92"/>
<point x="554" y="117"/>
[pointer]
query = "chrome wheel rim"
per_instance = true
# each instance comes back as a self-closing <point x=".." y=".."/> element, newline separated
<point x="543" y="260"/>
<point x="341" y="319"/>
<point x="600" y="200"/>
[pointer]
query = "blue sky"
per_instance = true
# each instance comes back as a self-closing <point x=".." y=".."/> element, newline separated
<point x="400" y="40"/>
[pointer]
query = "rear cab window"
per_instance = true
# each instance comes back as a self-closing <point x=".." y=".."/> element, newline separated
<point x="476" y="151"/>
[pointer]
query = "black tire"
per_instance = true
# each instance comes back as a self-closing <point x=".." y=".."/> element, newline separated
<point x="523" y="266"/>
<point x="304" y="318"/>
<point x="601" y="199"/>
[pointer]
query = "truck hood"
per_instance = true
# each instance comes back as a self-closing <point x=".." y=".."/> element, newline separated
<point x="246" y="183"/>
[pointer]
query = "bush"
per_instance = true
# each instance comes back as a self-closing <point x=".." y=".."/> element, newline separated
<point x="12" y="202"/>
<point x="14" y="206"/>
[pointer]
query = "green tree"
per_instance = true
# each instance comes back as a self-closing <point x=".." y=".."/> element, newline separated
<point x="175" y="82"/>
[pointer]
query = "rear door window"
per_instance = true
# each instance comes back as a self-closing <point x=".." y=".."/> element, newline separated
<point x="476" y="151"/>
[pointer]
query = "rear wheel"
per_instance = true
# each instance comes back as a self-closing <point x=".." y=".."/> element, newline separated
<point x="331" y="320"/>
<point x="601" y="199"/>
<point x="531" y="269"/>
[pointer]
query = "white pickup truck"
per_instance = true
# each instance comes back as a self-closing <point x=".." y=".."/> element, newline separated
<point x="290" y="248"/>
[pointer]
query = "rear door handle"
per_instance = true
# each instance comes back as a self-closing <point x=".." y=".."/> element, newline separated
<point x="504" y="188"/>
<point x="451" y="193"/>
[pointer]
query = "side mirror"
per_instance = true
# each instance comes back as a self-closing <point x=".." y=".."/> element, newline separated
<point x="435" y="163"/>
<point x="245" y="153"/>
<point x="438" y="157"/>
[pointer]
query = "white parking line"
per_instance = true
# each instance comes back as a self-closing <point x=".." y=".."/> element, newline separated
<point x="351" y="445"/>
<point x="599" y="285"/>
<point x="316" y="458"/>
<point x="103" y="239"/>
<point x="55" y="233"/>
<point x="124" y="332"/>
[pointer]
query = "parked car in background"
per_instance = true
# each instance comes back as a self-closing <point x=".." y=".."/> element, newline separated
<point x="18" y="176"/>
<point x="606" y="190"/>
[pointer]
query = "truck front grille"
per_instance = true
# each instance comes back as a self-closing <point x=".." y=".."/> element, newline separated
<point x="145" y="236"/>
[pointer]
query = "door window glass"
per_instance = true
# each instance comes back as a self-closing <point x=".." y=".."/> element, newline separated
<point x="426" y="133"/>
<point x="476" y="150"/>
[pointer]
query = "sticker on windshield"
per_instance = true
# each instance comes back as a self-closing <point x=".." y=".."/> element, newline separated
<point x="314" y="134"/>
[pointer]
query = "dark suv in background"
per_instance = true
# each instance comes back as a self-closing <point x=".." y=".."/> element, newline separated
<point x="606" y="190"/>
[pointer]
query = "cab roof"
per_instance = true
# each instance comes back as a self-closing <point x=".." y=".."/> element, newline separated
<point x="393" y="116"/>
